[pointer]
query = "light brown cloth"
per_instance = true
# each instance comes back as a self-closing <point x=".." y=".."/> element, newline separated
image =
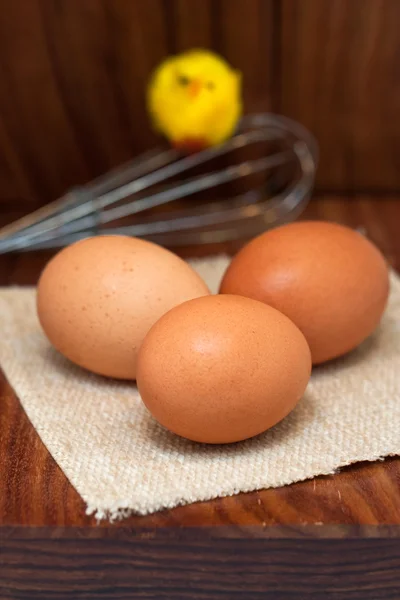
<point x="121" y="461"/>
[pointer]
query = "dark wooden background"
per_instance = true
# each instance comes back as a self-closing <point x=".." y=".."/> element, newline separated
<point x="72" y="81"/>
<point x="73" y="74"/>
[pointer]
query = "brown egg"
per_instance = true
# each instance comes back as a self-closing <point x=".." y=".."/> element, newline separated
<point x="328" y="279"/>
<point x="222" y="368"/>
<point x="98" y="298"/>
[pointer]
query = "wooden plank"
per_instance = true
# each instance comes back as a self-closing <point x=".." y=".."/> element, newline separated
<point x="34" y="114"/>
<point x="205" y="563"/>
<point x="74" y="74"/>
<point x="340" y="78"/>
<point x="138" y="33"/>
<point x="34" y="491"/>
<point x="243" y="34"/>
<point x="72" y="90"/>
<point x="81" y="40"/>
<point x="190" y="25"/>
<point x="335" y="537"/>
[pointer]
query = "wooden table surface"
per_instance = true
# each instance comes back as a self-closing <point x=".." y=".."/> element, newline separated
<point x="34" y="492"/>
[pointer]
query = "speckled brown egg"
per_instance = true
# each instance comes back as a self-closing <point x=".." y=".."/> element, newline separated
<point x="328" y="279"/>
<point x="221" y="369"/>
<point x="98" y="298"/>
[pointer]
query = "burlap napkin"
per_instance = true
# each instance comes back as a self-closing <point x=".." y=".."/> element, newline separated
<point x="120" y="460"/>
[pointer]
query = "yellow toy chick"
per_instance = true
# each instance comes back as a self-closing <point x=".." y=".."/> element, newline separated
<point x="194" y="99"/>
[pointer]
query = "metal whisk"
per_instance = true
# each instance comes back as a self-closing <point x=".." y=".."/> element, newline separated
<point x="146" y="184"/>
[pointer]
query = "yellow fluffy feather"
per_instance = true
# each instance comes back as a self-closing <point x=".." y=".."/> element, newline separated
<point x="194" y="99"/>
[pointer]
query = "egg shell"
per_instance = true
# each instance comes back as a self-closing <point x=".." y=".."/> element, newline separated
<point x="329" y="280"/>
<point x="97" y="299"/>
<point x="222" y="369"/>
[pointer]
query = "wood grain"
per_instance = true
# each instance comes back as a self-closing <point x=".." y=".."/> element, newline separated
<point x="190" y="24"/>
<point x="340" y="77"/>
<point x="330" y="538"/>
<point x="74" y="74"/>
<point x="189" y="564"/>
<point x="35" y="492"/>
<point x="245" y="38"/>
<point x="73" y="77"/>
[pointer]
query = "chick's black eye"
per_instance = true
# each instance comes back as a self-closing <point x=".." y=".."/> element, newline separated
<point x="183" y="80"/>
<point x="210" y="85"/>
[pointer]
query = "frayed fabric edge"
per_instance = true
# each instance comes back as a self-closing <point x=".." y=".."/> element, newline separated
<point x="113" y="515"/>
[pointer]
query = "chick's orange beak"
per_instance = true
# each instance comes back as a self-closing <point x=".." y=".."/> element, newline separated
<point x="194" y="88"/>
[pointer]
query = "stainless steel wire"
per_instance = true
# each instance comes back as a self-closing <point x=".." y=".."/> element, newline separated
<point x="85" y="211"/>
